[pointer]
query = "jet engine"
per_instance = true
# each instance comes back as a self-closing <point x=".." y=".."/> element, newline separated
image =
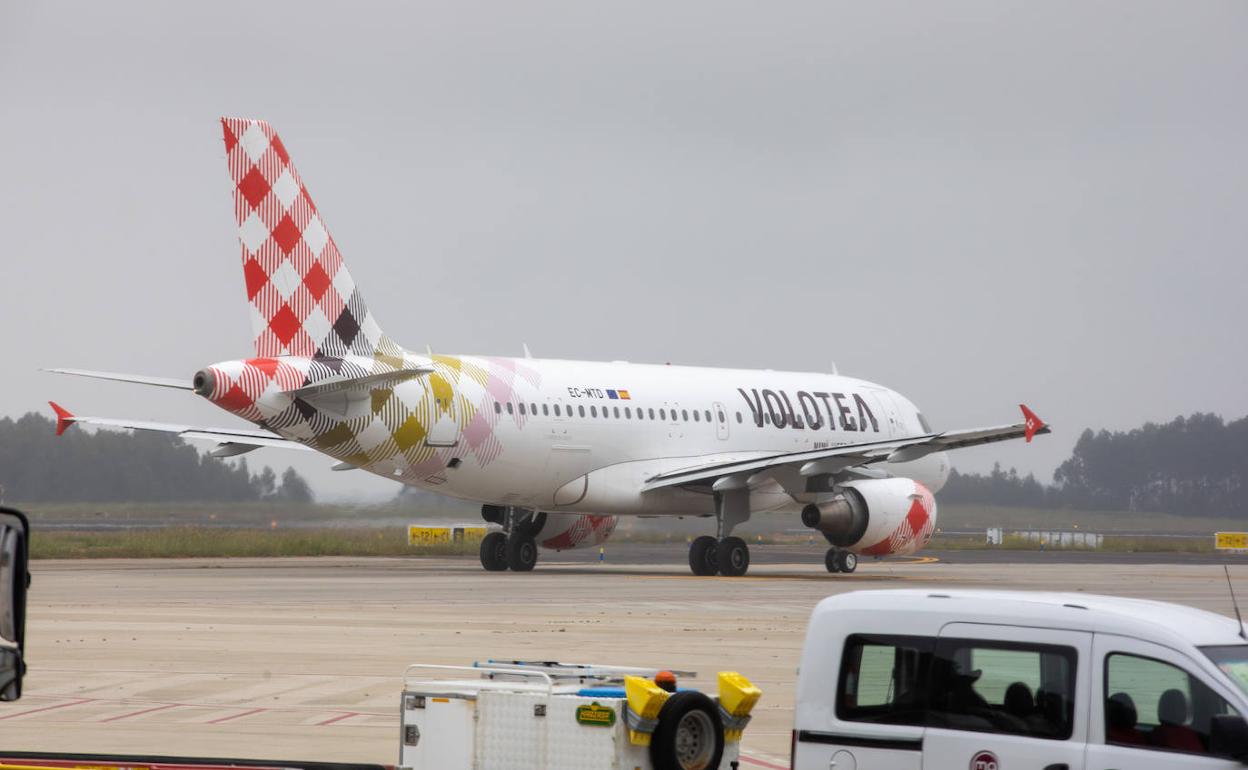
<point x="564" y="531"/>
<point x="557" y="531"/>
<point x="876" y="517"/>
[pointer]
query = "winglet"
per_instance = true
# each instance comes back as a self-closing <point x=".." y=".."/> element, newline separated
<point x="1031" y="423"/>
<point x="64" y="418"/>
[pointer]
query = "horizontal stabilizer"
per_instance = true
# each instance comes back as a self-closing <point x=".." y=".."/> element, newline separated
<point x="223" y="436"/>
<point x="140" y="379"/>
<point x="365" y="383"/>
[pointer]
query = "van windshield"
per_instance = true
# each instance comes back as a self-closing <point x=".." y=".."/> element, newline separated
<point x="1233" y="660"/>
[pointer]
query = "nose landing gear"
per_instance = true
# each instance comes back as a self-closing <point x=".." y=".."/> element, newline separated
<point x="840" y="561"/>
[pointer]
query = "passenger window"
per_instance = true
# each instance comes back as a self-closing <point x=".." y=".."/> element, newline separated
<point x="1004" y="687"/>
<point x="545" y="410"/>
<point x="708" y="415"/>
<point x="684" y="415"/>
<point x="617" y="412"/>
<point x="662" y="414"/>
<point x="533" y="409"/>
<point x="628" y="413"/>
<point x="738" y="418"/>
<point x="581" y="410"/>
<point x="696" y="418"/>
<point x="557" y="410"/>
<point x="767" y="417"/>
<point x="521" y="407"/>
<point x="884" y="679"/>
<point x="510" y="409"/>
<point x="651" y="414"/>
<point x="1151" y="704"/>
<point x="593" y="411"/>
<point x="498" y="408"/>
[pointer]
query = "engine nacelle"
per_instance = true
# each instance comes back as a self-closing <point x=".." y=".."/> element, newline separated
<point x="876" y="517"/>
<point x="565" y="531"/>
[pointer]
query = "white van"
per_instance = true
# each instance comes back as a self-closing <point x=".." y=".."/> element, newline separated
<point x="995" y="680"/>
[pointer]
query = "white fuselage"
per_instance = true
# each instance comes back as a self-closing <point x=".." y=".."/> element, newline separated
<point x="585" y="436"/>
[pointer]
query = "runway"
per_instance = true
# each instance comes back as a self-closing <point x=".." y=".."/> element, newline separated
<point x="301" y="658"/>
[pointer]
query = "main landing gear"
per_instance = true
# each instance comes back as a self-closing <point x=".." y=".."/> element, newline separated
<point x="724" y="554"/>
<point x="515" y="548"/>
<point x="840" y="561"/>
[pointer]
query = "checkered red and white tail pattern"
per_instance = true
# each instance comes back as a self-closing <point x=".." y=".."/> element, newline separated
<point x="303" y="301"/>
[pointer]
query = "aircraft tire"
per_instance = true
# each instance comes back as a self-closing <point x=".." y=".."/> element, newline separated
<point x="690" y="733"/>
<point x="849" y="561"/>
<point x="733" y="556"/>
<point x="702" y="556"/>
<point x="521" y="553"/>
<point x="832" y="560"/>
<point x="494" y="552"/>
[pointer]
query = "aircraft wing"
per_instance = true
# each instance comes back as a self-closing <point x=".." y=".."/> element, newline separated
<point x="843" y="458"/>
<point x="230" y="441"/>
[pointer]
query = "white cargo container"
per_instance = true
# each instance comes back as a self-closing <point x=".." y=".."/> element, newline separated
<point x="557" y="716"/>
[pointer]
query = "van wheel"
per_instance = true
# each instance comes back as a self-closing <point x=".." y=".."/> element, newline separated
<point x="521" y="553"/>
<point x="703" y="556"/>
<point x="733" y="556"/>
<point x="494" y="552"/>
<point x="690" y="734"/>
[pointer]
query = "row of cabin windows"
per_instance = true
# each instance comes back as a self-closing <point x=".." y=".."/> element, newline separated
<point x="627" y="413"/>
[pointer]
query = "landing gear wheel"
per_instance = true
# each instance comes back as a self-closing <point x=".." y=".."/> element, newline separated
<point x="733" y="556"/>
<point x="831" y="560"/>
<point x="849" y="561"/>
<point x="690" y="734"/>
<point x="494" y="552"/>
<point x="703" y="557"/>
<point x="521" y="554"/>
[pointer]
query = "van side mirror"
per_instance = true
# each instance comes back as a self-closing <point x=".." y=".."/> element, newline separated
<point x="14" y="580"/>
<point x="1228" y="736"/>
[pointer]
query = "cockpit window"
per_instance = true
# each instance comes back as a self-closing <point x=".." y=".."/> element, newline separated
<point x="923" y="422"/>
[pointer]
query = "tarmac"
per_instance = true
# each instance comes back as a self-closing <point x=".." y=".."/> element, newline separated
<point x="302" y="658"/>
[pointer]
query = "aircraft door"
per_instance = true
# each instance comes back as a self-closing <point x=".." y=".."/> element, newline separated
<point x="444" y="430"/>
<point x="890" y="421"/>
<point x="720" y="415"/>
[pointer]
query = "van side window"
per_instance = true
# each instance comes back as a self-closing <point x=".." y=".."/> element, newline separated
<point x="884" y="679"/>
<point x="1154" y="705"/>
<point x="1004" y="687"/>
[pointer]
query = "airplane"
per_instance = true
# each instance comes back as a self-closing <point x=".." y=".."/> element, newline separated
<point x="555" y="451"/>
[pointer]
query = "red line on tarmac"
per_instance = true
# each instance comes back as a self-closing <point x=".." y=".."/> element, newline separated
<point x="338" y="718"/>
<point x="139" y="713"/>
<point x="239" y="715"/>
<point x="46" y="708"/>
<point x="761" y="763"/>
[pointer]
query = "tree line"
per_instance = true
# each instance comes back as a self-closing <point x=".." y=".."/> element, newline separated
<point x="1194" y="465"/>
<point x="111" y="466"/>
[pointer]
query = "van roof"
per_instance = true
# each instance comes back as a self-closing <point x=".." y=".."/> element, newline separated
<point x="1160" y="621"/>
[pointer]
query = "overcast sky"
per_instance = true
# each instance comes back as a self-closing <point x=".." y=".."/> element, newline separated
<point x="975" y="203"/>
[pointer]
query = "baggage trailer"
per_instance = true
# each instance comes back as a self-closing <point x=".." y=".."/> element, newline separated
<point x="536" y="715"/>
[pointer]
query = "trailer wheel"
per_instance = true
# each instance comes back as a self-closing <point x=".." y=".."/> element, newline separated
<point x="521" y="553"/>
<point x="690" y="734"/>
<point x="494" y="552"/>
<point x="703" y="555"/>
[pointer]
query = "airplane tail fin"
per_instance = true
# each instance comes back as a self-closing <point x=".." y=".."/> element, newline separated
<point x="303" y="301"/>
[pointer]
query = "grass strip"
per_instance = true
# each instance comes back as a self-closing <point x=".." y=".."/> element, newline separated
<point x="186" y="542"/>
